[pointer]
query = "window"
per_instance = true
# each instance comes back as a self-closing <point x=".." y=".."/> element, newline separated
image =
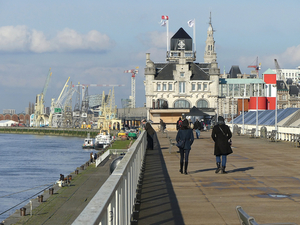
<point x="181" y="87"/>
<point x="158" y="87"/>
<point x="199" y="86"/>
<point x="161" y="104"/>
<point x="170" y="87"/>
<point x="181" y="74"/>
<point x="181" y="104"/>
<point x="193" y="87"/>
<point x="283" y="97"/>
<point x="202" y="104"/>
<point x="205" y="87"/>
<point x="164" y="86"/>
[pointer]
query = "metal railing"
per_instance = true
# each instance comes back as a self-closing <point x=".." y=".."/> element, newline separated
<point x="113" y="203"/>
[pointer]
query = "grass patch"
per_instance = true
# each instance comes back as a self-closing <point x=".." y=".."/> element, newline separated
<point x="121" y="144"/>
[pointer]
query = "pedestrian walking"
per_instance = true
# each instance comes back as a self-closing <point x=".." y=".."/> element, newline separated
<point x="221" y="135"/>
<point x="179" y="123"/>
<point x="185" y="137"/>
<point x="197" y="128"/>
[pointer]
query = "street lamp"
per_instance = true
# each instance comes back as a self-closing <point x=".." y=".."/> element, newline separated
<point x="275" y="110"/>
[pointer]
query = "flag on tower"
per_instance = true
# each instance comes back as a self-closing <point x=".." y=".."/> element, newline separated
<point x="191" y="23"/>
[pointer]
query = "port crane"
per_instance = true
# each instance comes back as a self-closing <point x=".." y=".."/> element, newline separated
<point x="39" y="115"/>
<point x="56" y="108"/>
<point x="133" y="72"/>
<point x="256" y="67"/>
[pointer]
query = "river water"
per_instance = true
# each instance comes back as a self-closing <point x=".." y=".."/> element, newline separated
<point x="31" y="163"/>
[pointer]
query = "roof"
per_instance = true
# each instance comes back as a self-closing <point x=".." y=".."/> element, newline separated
<point x="240" y="81"/>
<point x="269" y="71"/>
<point x="265" y="117"/>
<point x="164" y="71"/>
<point x="234" y="71"/>
<point x="181" y="34"/>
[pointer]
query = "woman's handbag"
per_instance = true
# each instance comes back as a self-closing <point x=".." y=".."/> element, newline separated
<point x="229" y="140"/>
<point x="180" y="144"/>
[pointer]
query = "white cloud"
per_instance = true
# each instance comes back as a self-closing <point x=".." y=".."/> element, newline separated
<point x="22" y="39"/>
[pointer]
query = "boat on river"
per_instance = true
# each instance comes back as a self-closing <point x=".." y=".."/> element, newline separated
<point x="88" y="142"/>
<point x="102" y="140"/>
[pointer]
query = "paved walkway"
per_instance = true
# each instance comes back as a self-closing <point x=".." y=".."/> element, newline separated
<point x="263" y="177"/>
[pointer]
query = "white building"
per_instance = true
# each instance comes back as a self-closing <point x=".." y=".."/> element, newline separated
<point x="172" y="88"/>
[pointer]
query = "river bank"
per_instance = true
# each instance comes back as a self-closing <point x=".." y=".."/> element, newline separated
<point x="66" y="203"/>
<point x="50" y="131"/>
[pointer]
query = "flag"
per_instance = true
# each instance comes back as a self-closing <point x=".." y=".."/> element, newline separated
<point x="191" y="23"/>
<point x="164" y="17"/>
<point x="163" y="23"/>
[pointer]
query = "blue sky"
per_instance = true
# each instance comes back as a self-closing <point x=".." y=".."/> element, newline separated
<point x="93" y="42"/>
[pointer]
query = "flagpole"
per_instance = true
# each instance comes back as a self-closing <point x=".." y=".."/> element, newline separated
<point x="194" y="35"/>
<point x="167" y="36"/>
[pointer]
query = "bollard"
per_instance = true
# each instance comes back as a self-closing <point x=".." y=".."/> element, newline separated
<point x="23" y="211"/>
<point x="87" y="163"/>
<point x="76" y="171"/>
<point x="51" y="191"/>
<point x="40" y="198"/>
<point x="69" y="177"/>
<point x="82" y="167"/>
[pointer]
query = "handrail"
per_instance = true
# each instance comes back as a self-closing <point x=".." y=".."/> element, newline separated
<point x="113" y="203"/>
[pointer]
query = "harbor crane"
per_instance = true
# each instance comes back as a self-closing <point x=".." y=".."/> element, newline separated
<point x="133" y="72"/>
<point x="39" y="115"/>
<point x="256" y="67"/>
<point x="56" y="108"/>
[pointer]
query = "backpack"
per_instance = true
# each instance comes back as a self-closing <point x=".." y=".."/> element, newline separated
<point x="179" y="123"/>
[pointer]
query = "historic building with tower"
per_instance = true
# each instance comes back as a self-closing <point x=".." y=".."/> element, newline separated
<point x="174" y="87"/>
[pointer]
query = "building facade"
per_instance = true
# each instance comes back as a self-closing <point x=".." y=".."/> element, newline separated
<point x="174" y="87"/>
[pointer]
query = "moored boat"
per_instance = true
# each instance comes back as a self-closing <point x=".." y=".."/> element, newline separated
<point x="102" y="140"/>
<point x="88" y="142"/>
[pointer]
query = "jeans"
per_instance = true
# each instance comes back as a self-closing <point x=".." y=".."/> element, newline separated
<point x="197" y="133"/>
<point x="224" y="159"/>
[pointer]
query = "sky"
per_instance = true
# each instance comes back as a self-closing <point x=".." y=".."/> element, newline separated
<point x="95" y="41"/>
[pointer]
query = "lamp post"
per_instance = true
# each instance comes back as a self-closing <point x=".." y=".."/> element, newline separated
<point x="256" y="110"/>
<point x="244" y="110"/>
<point x="275" y="110"/>
<point x="232" y="113"/>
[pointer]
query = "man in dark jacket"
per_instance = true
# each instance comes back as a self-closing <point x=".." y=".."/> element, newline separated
<point x="221" y="134"/>
<point x="197" y="128"/>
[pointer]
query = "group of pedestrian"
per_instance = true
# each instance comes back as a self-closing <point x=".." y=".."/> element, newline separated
<point x="221" y="135"/>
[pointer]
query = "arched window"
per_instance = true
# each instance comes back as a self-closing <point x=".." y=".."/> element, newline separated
<point x="202" y="104"/>
<point x="181" y="104"/>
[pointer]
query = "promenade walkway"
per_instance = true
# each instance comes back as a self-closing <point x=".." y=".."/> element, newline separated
<point x="263" y="177"/>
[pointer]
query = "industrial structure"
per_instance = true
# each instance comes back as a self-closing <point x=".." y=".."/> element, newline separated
<point x="133" y="72"/>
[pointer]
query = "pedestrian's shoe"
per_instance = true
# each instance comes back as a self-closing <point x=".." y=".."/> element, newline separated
<point x="181" y="168"/>
<point x="218" y="168"/>
<point x="185" y="168"/>
<point x="223" y="170"/>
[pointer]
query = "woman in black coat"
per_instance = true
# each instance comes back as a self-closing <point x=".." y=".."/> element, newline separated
<point x="221" y="134"/>
<point x="185" y="134"/>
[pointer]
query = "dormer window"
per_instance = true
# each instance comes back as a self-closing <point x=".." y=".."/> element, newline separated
<point x="181" y="74"/>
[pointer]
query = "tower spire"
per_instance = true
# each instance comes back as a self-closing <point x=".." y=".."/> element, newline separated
<point x="210" y="55"/>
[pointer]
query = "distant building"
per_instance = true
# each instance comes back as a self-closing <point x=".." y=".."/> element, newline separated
<point x="9" y="111"/>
